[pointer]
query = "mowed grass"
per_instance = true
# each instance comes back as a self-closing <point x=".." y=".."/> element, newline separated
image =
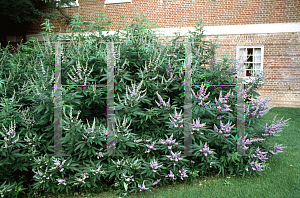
<point x="283" y="180"/>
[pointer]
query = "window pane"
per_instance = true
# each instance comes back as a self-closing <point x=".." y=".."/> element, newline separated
<point x="257" y="67"/>
<point x="249" y="54"/>
<point x="249" y="72"/>
<point x="243" y="55"/>
<point x="257" y="55"/>
<point x="248" y="65"/>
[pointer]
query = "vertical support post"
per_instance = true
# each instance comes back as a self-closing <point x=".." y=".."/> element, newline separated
<point x="188" y="102"/>
<point x="57" y="104"/>
<point x="240" y="110"/>
<point x="110" y="100"/>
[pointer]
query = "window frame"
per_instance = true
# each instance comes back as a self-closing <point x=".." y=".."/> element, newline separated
<point x="75" y="4"/>
<point x="107" y="2"/>
<point x="239" y="47"/>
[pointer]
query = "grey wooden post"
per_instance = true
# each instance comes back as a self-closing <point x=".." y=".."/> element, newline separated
<point x="188" y="102"/>
<point x="110" y="99"/>
<point x="57" y="104"/>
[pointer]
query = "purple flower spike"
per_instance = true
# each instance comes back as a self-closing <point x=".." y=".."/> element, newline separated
<point x="61" y="181"/>
<point x="206" y="150"/>
<point x="177" y="119"/>
<point x="151" y="147"/>
<point x="154" y="166"/>
<point x="162" y="102"/>
<point x="171" y="175"/>
<point x="182" y="173"/>
<point x="156" y="182"/>
<point x="201" y="96"/>
<point x="197" y="125"/>
<point x="143" y="186"/>
<point x="274" y="128"/>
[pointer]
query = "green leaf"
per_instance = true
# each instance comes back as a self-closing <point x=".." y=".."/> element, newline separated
<point x="125" y="186"/>
<point x="12" y="157"/>
<point x="78" y="147"/>
<point x="138" y="113"/>
<point x="38" y="109"/>
<point x="145" y="171"/>
<point x="94" y="182"/>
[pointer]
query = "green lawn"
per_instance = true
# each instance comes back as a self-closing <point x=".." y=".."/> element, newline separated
<point x="283" y="180"/>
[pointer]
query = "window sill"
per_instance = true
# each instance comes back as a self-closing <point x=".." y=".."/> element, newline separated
<point x="65" y="6"/>
<point x="251" y="79"/>
<point x="116" y="1"/>
<point x="75" y="4"/>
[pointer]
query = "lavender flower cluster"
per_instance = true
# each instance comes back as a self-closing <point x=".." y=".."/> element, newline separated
<point x="260" y="109"/>
<point x="244" y="92"/>
<point x="162" y="103"/>
<point x="170" y="71"/>
<point x="100" y="154"/>
<point x="24" y="115"/>
<point x="169" y="142"/>
<point x="274" y="128"/>
<point x="150" y="147"/>
<point x="9" y="135"/>
<point x="201" y="96"/>
<point x="224" y="128"/>
<point x="177" y="120"/>
<point x="61" y="181"/>
<point x="260" y="155"/>
<point x="130" y="178"/>
<point x="223" y="101"/>
<point x="259" y="78"/>
<point x="197" y="126"/>
<point x="78" y="72"/>
<point x="59" y="164"/>
<point x="277" y="148"/>
<point x="257" y="167"/>
<point x="206" y="150"/>
<point x="244" y="141"/>
<point x="182" y="174"/>
<point x="175" y="156"/>
<point x="156" y="182"/>
<point x="135" y="94"/>
<point x="154" y="165"/>
<point x="171" y="175"/>
<point x="82" y="180"/>
<point x="143" y="186"/>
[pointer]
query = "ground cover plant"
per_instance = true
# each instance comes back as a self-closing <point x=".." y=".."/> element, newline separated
<point x="149" y="100"/>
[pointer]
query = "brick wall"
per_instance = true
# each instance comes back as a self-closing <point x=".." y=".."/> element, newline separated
<point x="281" y="50"/>
<point x="168" y="13"/>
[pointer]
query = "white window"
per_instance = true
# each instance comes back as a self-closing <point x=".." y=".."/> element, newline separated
<point x="117" y="1"/>
<point x="252" y="57"/>
<point x="74" y="3"/>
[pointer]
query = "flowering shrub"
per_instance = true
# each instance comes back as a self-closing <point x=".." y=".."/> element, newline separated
<point x="149" y="130"/>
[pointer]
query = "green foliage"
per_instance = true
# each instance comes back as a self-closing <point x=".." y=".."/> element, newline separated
<point x="146" y="69"/>
<point x="16" y="16"/>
